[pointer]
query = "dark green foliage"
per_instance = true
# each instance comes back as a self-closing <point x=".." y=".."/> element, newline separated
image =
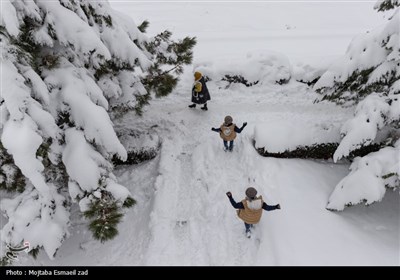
<point x="143" y="26"/>
<point x="389" y="175"/>
<point x="11" y="177"/>
<point x="111" y="67"/>
<point x="162" y="84"/>
<point x="64" y="120"/>
<point x="129" y="202"/>
<point x="90" y="13"/>
<point x="362" y="201"/>
<point x="50" y="61"/>
<point x="34" y="252"/>
<point x="4" y="261"/>
<point x="3" y="31"/>
<point x="309" y="83"/>
<point x="105" y="217"/>
<point x="237" y="79"/>
<point x="320" y="151"/>
<point x="108" y="20"/>
<point x="43" y="150"/>
<point x="388" y="5"/>
<point x="317" y="151"/>
<point x="183" y="51"/>
<point x="138" y="156"/>
<point x="28" y="52"/>
<point x="282" y="81"/>
<point x="176" y="54"/>
<point x="365" y="150"/>
<point x="141" y="101"/>
<point x="352" y="89"/>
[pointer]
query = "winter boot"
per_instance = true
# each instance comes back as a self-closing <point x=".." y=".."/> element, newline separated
<point x="204" y="107"/>
<point x="192" y="106"/>
<point x="248" y="233"/>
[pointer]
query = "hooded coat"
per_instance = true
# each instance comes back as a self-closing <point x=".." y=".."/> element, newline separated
<point x="200" y="94"/>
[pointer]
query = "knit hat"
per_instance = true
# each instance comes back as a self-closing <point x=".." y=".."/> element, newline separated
<point x="251" y="192"/>
<point x="197" y="76"/>
<point x="228" y="120"/>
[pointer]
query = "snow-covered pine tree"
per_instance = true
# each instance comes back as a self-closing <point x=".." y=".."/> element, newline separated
<point x="68" y="67"/>
<point x="368" y="75"/>
<point x="371" y="63"/>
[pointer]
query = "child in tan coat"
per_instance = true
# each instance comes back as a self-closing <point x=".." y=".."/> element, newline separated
<point x="250" y="209"/>
<point x="228" y="131"/>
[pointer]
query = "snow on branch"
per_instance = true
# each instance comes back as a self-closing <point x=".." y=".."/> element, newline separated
<point x="368" y="179"/>
<point x="371" y="115"/>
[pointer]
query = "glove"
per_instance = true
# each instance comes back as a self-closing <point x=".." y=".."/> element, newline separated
<point x="229" y="194"/>
<point x="212" y="128"/>
<point x="244" y="124"/>
<point x="278" y="206"/>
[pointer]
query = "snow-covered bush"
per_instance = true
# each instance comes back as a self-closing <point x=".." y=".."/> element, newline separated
<point x="376" y="119"/>
<point x="308" y="74"/>
<point x="369" y="74"/>
<point x="258" y="67"/>
<point x="140" y="144"/>
<point x="369" y="177"/>
<point x="68" y="68"/>
<point x="296" y="139"/>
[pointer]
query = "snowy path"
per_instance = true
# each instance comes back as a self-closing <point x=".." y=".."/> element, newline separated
<point x="192" y="222"/>
<point x="183" y="216"/>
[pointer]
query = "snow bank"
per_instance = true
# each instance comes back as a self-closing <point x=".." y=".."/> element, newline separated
<point x="258" y="67"/>
<point x="281" y="136"/>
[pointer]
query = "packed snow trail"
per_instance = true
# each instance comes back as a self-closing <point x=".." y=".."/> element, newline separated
<point x="183" y="217"/>
<point x="193" y="223"/>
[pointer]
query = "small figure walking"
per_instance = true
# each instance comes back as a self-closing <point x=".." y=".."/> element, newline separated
<point x="228" y="131"/>
<point x="250" y="208"/>
<point x="200" y="94"/>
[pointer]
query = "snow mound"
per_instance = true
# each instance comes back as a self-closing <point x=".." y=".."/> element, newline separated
<point x="140" y="144"/>
<point x="277" y="137"/>
<point x="307" y="73"/>
<point x="258" y="67"/>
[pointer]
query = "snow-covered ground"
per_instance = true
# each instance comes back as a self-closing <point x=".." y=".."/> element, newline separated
<point x="314" y="32"/>
<point x="183" y="216"/>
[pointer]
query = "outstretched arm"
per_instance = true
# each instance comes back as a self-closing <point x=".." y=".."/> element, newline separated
<point x="238" y="130"/>
<point x="269" y="207"/>
<point x="216" y="129"/>
<point x="236" y="205"/>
